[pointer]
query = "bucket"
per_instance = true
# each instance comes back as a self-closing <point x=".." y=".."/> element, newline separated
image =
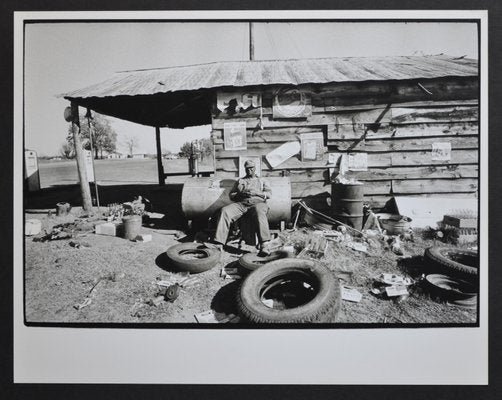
<point x="347" y="203"/>
<point x="132" y="226"/>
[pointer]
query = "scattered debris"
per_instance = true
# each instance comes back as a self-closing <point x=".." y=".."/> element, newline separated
<point x="213" y="317"/>
<point x="115" y="212"/>
<point x="229" y="272"/>
<point x="84" y="303"/>
<point x="351" y="294"/>
<point x="57" y="233"/>
<point x="358" y="247"/>
<point x="143" y="238"/>
<point x="135" y="207"/>
<point x="78" y="245"/>
<point x="393" y="279"/>
<point x="156" y="301"/>
<point x="315" y="247"/>
<point x="185" y="281"/>
<point x="172" y="292"/>
<point x="88" y="298"/>
<point x="396" y="290"/>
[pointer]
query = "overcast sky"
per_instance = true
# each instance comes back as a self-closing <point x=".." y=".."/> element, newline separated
<point x="66" y="56"/>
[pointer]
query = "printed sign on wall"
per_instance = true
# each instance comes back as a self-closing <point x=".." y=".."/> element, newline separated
<point x="292" y="103"/>
<point x="88" y="165"/>
<point x="312" y="145"/>
<point x="234" y="135"/>
<point x="234" y="102"/>
<point x="358" y="162"/>
<point x="441" y="151"/>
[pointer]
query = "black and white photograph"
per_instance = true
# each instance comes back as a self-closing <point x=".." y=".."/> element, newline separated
<point x="135" y="210"/>
<point x="252" y="174"/>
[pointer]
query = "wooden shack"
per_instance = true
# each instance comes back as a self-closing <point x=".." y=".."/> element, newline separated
<point x="402" y="125"/>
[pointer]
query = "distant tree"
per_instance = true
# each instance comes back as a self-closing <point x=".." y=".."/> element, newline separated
<point x="131" y="143"/>
<point x="67" y="150"/>
<point x="202" y="147"/>
<point x="185" y="150"/>
<point x="104" y="138"/>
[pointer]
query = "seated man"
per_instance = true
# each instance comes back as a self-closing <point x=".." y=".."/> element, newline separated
<point x="250" y="195"/>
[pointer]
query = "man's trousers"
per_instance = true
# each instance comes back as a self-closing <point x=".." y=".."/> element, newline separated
<point x="232" y="212"/>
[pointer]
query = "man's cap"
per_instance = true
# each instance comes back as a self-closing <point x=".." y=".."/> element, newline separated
<point x="249" y="164"/>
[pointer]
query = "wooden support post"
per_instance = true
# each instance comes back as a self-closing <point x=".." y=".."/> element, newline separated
<point x="79" y="155"/>
<point x="160" y="168"/>
<point x="251" y="42"/>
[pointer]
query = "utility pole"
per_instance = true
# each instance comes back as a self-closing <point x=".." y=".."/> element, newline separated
<point x="251" y="42"/>
<point x="79" y="155"/>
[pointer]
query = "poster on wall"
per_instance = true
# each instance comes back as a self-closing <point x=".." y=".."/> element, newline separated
<point x="257" y="163"/>
<point x="292" y="103"/>
<point x="441" y="151"/>
<point x="358" y="161"/>
<point x="312" y="146"/>
<point x="234" y="102"/>
<point x="234" y="135"/>
<point x="88" y="165"/>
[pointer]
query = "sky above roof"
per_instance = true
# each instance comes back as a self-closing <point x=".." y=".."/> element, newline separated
<point x="67" y="56"/>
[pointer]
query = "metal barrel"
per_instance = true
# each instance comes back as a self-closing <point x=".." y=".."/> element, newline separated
<point x="347" y="203"/>
<point x="203" y="197"/>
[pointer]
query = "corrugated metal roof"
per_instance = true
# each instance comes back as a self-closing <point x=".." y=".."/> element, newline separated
<point x="291" y="72"/>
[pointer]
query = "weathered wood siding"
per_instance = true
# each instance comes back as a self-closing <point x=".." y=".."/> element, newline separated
<point x="395" y="123"/>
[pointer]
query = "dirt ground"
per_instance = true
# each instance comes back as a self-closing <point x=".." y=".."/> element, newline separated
<point x="118" y="278"/>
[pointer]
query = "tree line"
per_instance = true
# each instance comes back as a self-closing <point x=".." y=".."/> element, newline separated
<point x="104" y="140"/>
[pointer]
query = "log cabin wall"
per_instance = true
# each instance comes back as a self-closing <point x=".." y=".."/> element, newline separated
<point x="394" y="122"/>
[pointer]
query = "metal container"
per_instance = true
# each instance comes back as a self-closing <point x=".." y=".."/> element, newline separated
<point x="347" y="203"/>
<point x="203" y="197"/>
<point x="132" y="226"/>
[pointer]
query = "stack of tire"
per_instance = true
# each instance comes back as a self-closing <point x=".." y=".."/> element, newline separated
<point x="454" y="276"/>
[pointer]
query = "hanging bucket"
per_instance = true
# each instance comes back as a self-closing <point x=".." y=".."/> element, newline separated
<point x="132" y="226"/>
<point x="347" y="203"/>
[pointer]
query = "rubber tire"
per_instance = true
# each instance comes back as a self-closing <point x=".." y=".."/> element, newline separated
<point x="439" y="258"/>
<point x="324" y="307"/>
<point x="252" y="261"/>
<point x="193" y="266"/>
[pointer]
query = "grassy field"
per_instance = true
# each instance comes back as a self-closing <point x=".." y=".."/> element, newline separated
<point x="115" y="172"/>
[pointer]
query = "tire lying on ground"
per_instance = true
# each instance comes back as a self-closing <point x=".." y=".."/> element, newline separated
<point x="192" y="257"/>
<point x="289" y="290"/>
<point x="252" y="261"/>
<point x="454" y="262"/>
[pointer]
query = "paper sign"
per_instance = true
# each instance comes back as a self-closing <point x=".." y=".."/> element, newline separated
<point x="282" y="153"/>
<point x="312" y="146"/>
<point x="396" y="290"/>
<point x="235" y="135"/>
<point x="441" y="151"/>
<point x="358" y="162"/>
<point x="351" y="294"/>
<point x="237" y="101"/>
<point x="88" y="165"/>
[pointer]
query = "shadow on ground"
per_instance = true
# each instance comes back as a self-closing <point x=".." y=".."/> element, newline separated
<point x="224" y="300"/>
<point x="164" y="199"/>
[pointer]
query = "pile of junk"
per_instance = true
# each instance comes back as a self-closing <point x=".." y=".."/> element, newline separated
<point x="295" y="284"/>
